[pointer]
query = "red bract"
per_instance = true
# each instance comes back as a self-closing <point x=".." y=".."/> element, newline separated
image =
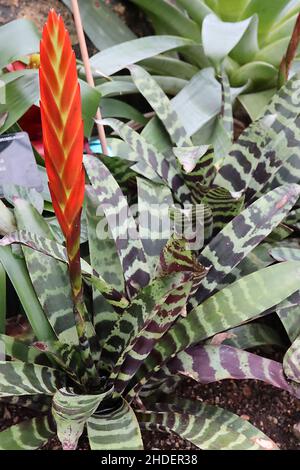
<point x="62" y="127"/>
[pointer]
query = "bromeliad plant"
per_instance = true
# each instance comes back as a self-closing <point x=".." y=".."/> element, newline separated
<point x="113" y="333"/>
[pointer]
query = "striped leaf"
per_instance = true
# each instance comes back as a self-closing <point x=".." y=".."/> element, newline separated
<point x="243" y="234"/>
<point x="19" y="350"/>
<point x="154" y="202"/>
<point x="27" y="379"/>
<point x="148" y="154"/>
<point x="241" y="301"/>
<point x="207" y="364"/>
<point x="27" y="435"/>
<point x="250" y="335"/>
<point x="115" y="429"/>
<point x="121" y="224"/>
<point x="57" y="251"/>
<point x="263" y="148"/>
<point x="161" y="104"/>
<point x="206" y="426"/>
<point x="49" y="278"/>
<point x="291" y="363"/>
<point x="71" y="412"/>
<point x="289" y="317"/>
<point x="137" y="317"/>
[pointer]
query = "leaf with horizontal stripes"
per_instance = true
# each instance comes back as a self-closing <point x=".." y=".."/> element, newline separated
<point x="121" y="224"/>
<point x="115" y="429"/>
<point x="147" y="153"/>
<point x="206" y="426"/>
<point x="161" y="104"/>
<point x="28" y="435"/>
<point x="211" y="363"/>
<point x="262" y="149"/>
<point x="18" y="378"/>
<point x="243" y="234"/>
<point x="49" y="278"/>
<point x="241" y="301"/>
<point x="71" y="412"/>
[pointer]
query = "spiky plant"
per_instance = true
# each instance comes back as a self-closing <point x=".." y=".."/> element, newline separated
<point x="112" y="333"/>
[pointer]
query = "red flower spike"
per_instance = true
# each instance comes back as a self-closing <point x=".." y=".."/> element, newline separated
<point x="62" y="131"/>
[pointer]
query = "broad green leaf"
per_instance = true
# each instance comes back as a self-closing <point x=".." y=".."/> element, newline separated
<point x="71" y="412"/>
<point x="22" y="91"/>
<point x="154" y="202"/>
<point x="20" y="351"/>
<point x="206" y="426"/>
<point x="19" y="277"/>
<point x="163" y="65"/>
<point x="289" y="317"/>
<point x="196" y="9"/>
<point x="177" y="22"/>
<point x="274" y="52"/>
<point x="228" y="10"/>
<point x="18" y="38"/>
<point x="118" y="109"/>
<point x="248" y="336"/>
<point x="267" y="15"/>
<point x="254" y="103"/>
<point x="199" y="101"/>
<point x="116" y="58"/>
<point x="259" y="74"/>
<point x="123" y="85"/>
<point x="27" y="435"/>
<point x="103" y="257"/>
<point x="101" y="24"/>
<point x="220" y="38"/>
<point x="116" y="429"/>
<point x="27" y="379"/>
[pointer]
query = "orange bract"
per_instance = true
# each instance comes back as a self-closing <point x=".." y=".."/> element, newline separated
<point x="62" y="124"/>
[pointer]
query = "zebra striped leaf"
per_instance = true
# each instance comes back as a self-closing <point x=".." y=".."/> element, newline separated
<point x="121" y="224"/>
<point x="27" y="379"/>
<point x="115" y="429"/>
<point x="27" y="435"/>
<point x="243" y="300"/>
<point x="71" y="412"/>
<point x="206" y="426"/>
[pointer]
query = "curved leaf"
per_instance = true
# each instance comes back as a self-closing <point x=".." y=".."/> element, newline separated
<point x="28" y="435"/>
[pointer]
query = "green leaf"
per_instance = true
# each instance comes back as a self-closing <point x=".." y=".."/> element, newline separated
<point x="27" y="435"/>
<point x="27" y="379"/>
<point x="289" y="317"/>
<point x="118" y="109"/>
<point x="18" y="38"/>
<point x="2" y="299"/>
<point x="22" y="352"/>
<point x="254" y="103"/>
<point x="101" y="24"/>
<point x="22" y="91"/>
<point x="116" y="429"/>
<point x="199" y="101"/>
<point x="220" y="38"/>
<point x="248" y="336"/>
<point x="206" y="426"/>
<point x="177" y="22"/>
<point x="116" y="58"/>
<point x="196" y="9"/>
<point x="71" y="412"/>
<point x="19" y="277"/>
<point x="259" y="74"/>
